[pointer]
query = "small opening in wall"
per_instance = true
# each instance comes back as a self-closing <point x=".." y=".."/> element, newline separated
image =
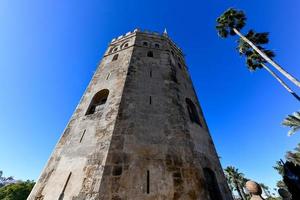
<point x="150" y="73"/>
<point x="108" y="75"/>
<point x="212" y="184"/>
<point x="125" y="45"/>
<point x="117" y="170"/>
<point x="62" y="194"/>
<point x="192" y="110"/>
<point x="148" y="182"/>
<point x="150" y="54"/>
<point x="82" y="136"/>
<point x="145" y="44"/>
<point x="115" y="57"/>
<point x="150" y="100"/>
<point x="157" y="46"/>
<point x="98" y="101"/>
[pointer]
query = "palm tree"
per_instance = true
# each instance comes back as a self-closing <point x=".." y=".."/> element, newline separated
<point x="292" y="121"/>
<point x="279" y="167"/>
<point x="281" y="184"/>
<point x="254" y="61"/>
<point x="231" y="22"/>
<point x="5" y="180"/>
<point x="265" y="189"/>
<point x="294" y="156"/>
<point x="235" y="178"/>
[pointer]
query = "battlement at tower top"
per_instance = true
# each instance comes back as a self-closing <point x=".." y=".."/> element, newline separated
<point x="147" y="32"/>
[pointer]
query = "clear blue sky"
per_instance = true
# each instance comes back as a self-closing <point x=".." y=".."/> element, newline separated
<point x="49" y="50"/>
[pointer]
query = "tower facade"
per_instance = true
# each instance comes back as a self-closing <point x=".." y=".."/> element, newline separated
<point x="138" y="132"/>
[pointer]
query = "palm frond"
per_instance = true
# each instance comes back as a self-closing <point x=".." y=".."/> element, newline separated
<point x="229" y="20"/>
<point x="292" y="121"/>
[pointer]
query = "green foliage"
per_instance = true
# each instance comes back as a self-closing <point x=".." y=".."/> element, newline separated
<point x="294" y="156"/>
<point x="16" y="191"/>
<point x="274" y="198"/>
<point x="292" y="121"/>
<point x="279" y="167"/>
<point x="281" y="184"/>
<point x="236" y="181"/>
<point x="5" y="180"/>
<point x="253" y="59"/>
<point x="255" y="38"/>
<point x="229" y="20"/>
<point x="265" y="189"/>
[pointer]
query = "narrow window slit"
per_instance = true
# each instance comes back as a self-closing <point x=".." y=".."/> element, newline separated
<point x="61" y="196"/>
<point x="151" y="73"/>
<point x="150" y="100"/>
<point x="108" y="75"/>
<point x="148" y="182"/>
<point x="82" y="136"/>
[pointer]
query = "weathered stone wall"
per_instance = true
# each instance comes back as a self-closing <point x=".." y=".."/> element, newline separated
<point x="142" y="145"/>
<point x="83" y="147"/>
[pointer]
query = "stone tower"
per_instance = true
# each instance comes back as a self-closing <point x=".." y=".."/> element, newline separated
<point x="138" y="132"/>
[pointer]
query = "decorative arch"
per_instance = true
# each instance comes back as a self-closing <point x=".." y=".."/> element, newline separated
<point x="212" y="184"/>
<point x="125" y="44"/>
<point x="98" y="101"/>
<point x="111" y="49"/>
<point x="193" y="113"/>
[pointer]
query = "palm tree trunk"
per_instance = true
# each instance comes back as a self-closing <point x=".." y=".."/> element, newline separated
<point x="237" y="187"/>
<point x="242" y="192"/>
<point x="274" y="64"/>
<point x="281" y="81"/>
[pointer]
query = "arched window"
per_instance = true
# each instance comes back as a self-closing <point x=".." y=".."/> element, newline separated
<point x="124" y="45"/>
<point x="111" y="50"/>
<point x="212" y="184"/>
<point x="150" y="54"/>
<point x="145" y="44"/>
<point x="115" y="49"/>
<point x="115" y="57"/>
<point x="98" y="102"/>
<point x="156" y="46"/>
<point x="192" y="111"/>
